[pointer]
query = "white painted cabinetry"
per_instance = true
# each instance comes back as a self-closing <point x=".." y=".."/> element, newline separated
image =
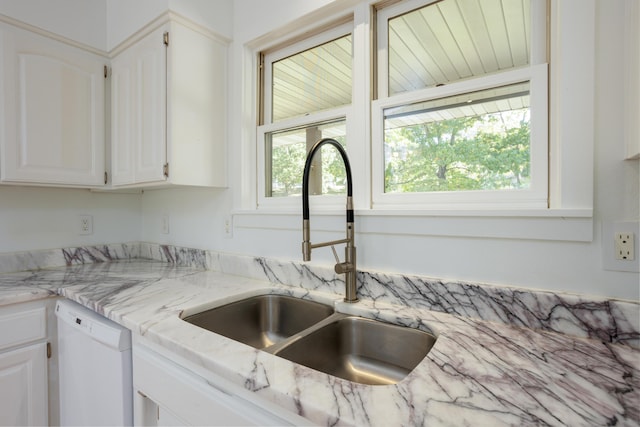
<point x="138" y="104"/>
<point x="52" y="111"/>
<point x="168" y="391"/>
<point x="168" y="107"/>
<point x="25" y="390"/>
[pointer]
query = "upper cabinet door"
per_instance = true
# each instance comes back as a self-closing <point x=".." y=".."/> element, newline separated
<point x="138" y="111"/>
<point x="168" y="107"/>
<point x="52" y="111"/>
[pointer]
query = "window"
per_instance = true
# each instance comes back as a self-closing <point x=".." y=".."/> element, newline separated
<point x="461" y="116"/>
<point x="548" y="88"/>
<point x="307" y="93"/>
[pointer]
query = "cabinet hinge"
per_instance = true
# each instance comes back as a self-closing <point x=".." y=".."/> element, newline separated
<point x="165" y="170"/>
<point x="165" y="38"/>
<point x="48" y="350"/>
<point x="106" y="178"/>
<point x="106" y="71"/>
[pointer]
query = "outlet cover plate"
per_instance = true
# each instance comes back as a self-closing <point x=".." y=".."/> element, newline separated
<point x="164" y="224"/>
<point x="228" y="226"/>
<point x="85" y="225"/>
<point x="624" y="246"/>
<point x="609" y="231"/>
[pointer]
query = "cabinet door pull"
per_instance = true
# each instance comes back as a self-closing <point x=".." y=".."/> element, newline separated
<point x="48" y="350"/>
<point x="165" y="38"/>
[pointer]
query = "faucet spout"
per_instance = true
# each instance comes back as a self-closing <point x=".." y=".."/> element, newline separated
<point x="348" y="267"/>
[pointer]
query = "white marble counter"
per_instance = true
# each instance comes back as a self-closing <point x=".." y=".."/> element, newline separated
<point x="478" y="372"/>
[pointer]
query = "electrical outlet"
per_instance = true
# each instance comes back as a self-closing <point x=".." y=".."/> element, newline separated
<point x="624" y="246"/>
<point x="85" y="224"/>
<point x="164" y="224"/>
<point x="228" y="226"/>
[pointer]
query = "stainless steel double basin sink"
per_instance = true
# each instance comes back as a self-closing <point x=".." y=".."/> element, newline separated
<point x="311" y="334"/>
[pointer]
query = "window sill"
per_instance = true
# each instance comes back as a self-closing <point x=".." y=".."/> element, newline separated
<point x="573" y="225"/>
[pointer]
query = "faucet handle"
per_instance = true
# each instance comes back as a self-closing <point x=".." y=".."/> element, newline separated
<point x="343" y="267"/>
<point x="335" y="254"/>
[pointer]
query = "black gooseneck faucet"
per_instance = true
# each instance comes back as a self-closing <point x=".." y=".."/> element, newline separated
<point x="348" y="267"/>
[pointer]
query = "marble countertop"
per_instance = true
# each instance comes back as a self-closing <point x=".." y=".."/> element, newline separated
<point x="477" y="373"/>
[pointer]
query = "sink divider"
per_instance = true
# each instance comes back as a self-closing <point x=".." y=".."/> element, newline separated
<point x="274" y="349"/>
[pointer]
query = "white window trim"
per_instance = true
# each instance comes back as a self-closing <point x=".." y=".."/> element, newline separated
<point x="571" y="138"/>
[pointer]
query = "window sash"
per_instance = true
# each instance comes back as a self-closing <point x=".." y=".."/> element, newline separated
<point x="538" y="43"/>
<point x="324" y="202"/>
<point x="274" y="55"/>
<point x="533" y="197"/>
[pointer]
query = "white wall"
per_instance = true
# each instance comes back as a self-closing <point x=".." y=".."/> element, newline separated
<point x="125" y="17"/>
<point x="80" y="20"/>
<point x="103" y="24"/>
<point x="47" y="218"/>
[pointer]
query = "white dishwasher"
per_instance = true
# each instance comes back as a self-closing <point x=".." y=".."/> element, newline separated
<point x="95" y="368"/>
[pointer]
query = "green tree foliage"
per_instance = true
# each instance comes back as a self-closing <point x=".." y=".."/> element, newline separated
<point x="286" y="169"/>
<point x="288" y="163"/>
<point x="487" y="152"/>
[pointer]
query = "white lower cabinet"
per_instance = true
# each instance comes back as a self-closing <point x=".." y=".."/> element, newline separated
<point x="25" y="368"/>
<point x="23" y="386"/>
<point x="166" y="393"/>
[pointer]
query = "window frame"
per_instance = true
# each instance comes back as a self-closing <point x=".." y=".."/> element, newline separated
<point x="569" y="216"/>
<point x="324" y="202"/>
<point x="535" y="197"/>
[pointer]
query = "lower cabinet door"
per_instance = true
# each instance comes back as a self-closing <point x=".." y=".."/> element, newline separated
<point x="167" y="394"/>
<point x="167" y="418"/>
<point x="23" y="386"/>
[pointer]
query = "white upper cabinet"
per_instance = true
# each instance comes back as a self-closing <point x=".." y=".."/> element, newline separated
<point x="138" y="120"/>
<point x="52" y="111"/>
<point x="168" y="107"/>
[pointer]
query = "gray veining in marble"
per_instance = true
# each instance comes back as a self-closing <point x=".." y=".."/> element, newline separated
<point x="35" y="260"/>
<point x="609" y="320"/>
<point x="605" y="319"/>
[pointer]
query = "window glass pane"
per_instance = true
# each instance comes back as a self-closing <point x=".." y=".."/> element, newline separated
<point x="475" y="141"/>
<point x="287" y="152"/>
<point x="451" y="40"/>
<point x="314" y="80"/>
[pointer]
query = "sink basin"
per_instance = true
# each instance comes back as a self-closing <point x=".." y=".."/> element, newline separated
<point x="361" y="350"/>
<point x="263" y="320"/>
<point x="311" y="334"/>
